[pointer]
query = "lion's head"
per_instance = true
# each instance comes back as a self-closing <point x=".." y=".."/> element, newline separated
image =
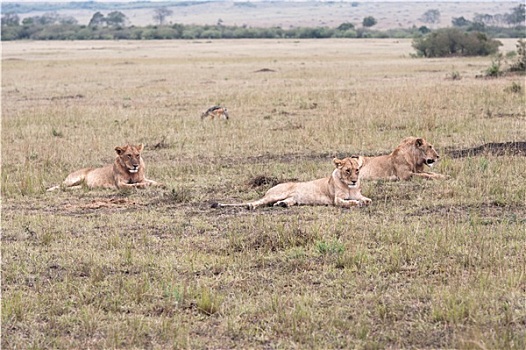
<point x="349" y="169"/>
<point x="129" y="157"/>
<point x="423" y="151"/>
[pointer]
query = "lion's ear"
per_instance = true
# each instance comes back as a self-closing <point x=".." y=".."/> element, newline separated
<point x="419" y="142"/>
<point x="120" y="150"/>
<point x="140" y="147"/>
<point x="360" y="160"/>
<point x="337" y="162"/>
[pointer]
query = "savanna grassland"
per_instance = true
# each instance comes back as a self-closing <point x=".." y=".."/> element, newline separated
<point x="430" y="264"/>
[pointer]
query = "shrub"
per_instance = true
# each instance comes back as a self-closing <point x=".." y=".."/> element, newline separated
<point x="520" y="65"/>
<point x="494" y="69"/>
<point x="455" y="42"/>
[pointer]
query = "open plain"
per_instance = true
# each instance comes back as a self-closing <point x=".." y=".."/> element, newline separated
<point x="429" y="264"/>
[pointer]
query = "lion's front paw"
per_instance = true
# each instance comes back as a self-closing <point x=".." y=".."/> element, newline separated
<point x="365" y="201"/>
<point x="353" y="203"/>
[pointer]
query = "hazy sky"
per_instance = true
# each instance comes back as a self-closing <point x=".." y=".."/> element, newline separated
<point x="364" y="1"/>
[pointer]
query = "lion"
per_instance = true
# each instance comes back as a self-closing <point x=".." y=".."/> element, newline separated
<point x="341" y="189"/>
<point x="405" y="162"/>
<point x="128" y="171"/>
<point x="215" y="112"/>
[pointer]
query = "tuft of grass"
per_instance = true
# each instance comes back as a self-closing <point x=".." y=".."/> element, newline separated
<point x="57" y="133"/>
<point x="181" y="195"/>
<point x="14" y="308"/>
<point x="329" y="248"/>
<point x="454" y="75"/>
<point x="208" y="302"/>
<point x="515" y="88"/>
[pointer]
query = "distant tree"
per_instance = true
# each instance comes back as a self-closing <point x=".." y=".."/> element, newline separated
<point x="517" y="16"/>
<point x="477" y="26"/>
<point x="460" y="22"/>
<point x="485" y="19"/>
<point x="116" y="19"/>
<point x="455" y="42"/>
<point x="28" y="21"/>
<point x="47" y="18"/>
<point x="431" y="16"/>
<point x="369" y="21"/>
<point x="424" y="30"/>
<point x="67" y="20"/>
<point x="345" y="26"/>
<point x="97" y="20"/>
<point x="10" y="19"/>
<point x="500" y="19"/>
<point x="160" y="14"/>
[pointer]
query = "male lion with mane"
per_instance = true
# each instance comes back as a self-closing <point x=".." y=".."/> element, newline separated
<point x="341" y="189"/>
<point x="406" y="161"/>
<point x="128" y="171"/>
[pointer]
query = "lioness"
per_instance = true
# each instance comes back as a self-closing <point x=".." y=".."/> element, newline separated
<point x="215" y="112"/>
<point x="128" y="171"/>
<point x="405" y="161"/>
<point x="341" y="189"/>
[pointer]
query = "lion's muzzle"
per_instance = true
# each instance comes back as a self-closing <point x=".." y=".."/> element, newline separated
<point x="352" y="184"/>
<point x="430" y="162"/>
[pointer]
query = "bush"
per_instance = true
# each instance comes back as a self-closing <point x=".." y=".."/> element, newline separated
<point x="455" y="42"/>
<point x="495" y="69"/>
<point x="520" y="65"/>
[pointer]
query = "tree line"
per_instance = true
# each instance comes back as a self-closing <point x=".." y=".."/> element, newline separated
<point x="115" y="26"/>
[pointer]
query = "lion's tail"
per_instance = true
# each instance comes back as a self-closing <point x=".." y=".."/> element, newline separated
<point x="53" y="188"/>
<point x="216" y="205"/>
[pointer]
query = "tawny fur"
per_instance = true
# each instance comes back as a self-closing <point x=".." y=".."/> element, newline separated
<point x="406" y="161"/>
<point x="341" y="189"/>
<point x="215" y="112"/>
<point x="128" y="171"/>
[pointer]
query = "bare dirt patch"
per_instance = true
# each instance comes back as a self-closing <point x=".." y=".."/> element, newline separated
<point x="101" y="203"/>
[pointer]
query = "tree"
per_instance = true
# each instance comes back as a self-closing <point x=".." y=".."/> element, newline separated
<point x="499" y="19"/>
<point x="345" y="26"/>
<point x="161" y="13"/>
<point x="97" y="20"/>
<point x="460" y="22"/>
<point x="485" y="19"/>
<point x="47" y="18"/>
<point x="431" y="16"/>
<point x="116" y="18"/>
<point x="369" y="21"/>
<point x="10" y="19"/>
<point x="455" y="42"/>
<point x="424" y="30"/>
<point x="518" y="15"/>
<point x="67" y="20"/>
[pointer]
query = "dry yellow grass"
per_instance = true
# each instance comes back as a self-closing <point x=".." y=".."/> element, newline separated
<point x="428" y="265"/>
